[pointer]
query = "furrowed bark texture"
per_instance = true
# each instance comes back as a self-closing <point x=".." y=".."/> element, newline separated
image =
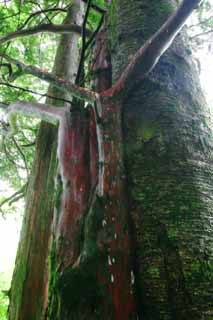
<point x="168" y="158"/>
<point x="29" y="289"/>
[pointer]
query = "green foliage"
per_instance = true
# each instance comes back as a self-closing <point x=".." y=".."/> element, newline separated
<point x="4" y="300"/>
<point x="39" y="50"/>
<point x="17" y="153"/>
<point x="201" y="26"/>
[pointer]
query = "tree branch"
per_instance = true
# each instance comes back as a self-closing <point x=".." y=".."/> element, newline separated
<point x="14" y="197"/>
<point x="201" y="34"/>
<point x="22" y="155"/>
<point x="65" y="86"/>
<point x="34" y="14"/>
<point x="3" y="106"/>
<point x="80" y="73"/>
<point x="52" y="28"/>
<point x="44" y="112"/>
<point x="148" y="55"/>
<point x="96" y="8"/>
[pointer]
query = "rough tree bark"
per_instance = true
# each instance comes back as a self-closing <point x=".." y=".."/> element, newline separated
<point x="29" y="290"/>
<point x="168" y="158"/>
<point x="132" y="222"/>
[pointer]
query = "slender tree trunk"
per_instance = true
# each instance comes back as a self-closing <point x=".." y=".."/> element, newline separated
<point x="29" y="290"/>
<point x="168" y="157"/>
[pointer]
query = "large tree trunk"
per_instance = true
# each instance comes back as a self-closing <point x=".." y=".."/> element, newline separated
<point x="151" y="202"/>
<point x="29" y="290"/>
<point x="168" y="157"/>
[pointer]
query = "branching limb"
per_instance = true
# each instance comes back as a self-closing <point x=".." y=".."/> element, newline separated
<point x="80" y="73"/>
<point x="14" y="197"/>
<point x="51" y="28"/>
<point x="4" y="106"/>
<point x="22" y="155"/>
<point x="42" y="111"/>
<point x="201" y="34"/>
<point x="148" y="55"/>
<point x="37" y="13"/>
<point x="61" y="84"/>
<point x="97" y="8"/>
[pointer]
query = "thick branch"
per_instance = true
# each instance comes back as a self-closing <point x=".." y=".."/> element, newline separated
<point x="52" y="28"/>
<point x="61" y="84"/>
<point x="44" y="112"/>
<point x="148" y="55"/>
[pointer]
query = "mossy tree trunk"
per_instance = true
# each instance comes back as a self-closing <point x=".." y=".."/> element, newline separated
<point x="168" y="158"/>
<point x="131" y="234"/>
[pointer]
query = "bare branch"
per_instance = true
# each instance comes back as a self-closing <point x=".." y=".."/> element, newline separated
<point x="21" y="154"/>
<point x="37" y="13"/>
<point x="201" y="34"/>
<point x="90" y="41"/>
<point x="80" y="72"/>
<point x="4" y="106"/>
<point x="97" y="8"/>
<point x="61" y="84"/>
<point x="148" y="55"/>
<point x="52" y="28"/>
<point x="15" y="196"/>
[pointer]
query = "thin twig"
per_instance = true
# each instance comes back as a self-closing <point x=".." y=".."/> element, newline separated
<point x="96" y="8"/>
<point x="80" y="73"/>
<point x="91" y="39"/>
<point x="22" y="155"/>
<point x="40" y="12"/>
<point x="4" y="105"/>
<point x="17" y="195"/>
<point x="201" y="34"/>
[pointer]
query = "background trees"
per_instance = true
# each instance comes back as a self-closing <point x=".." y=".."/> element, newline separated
<point x="165" y="144"/>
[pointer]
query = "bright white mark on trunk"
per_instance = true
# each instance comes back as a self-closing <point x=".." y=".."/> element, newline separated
<point x="104" y="223"/>
<point x="109" y="261"/>
<point x="132" y="277"/>
<point x="112" y="278"/>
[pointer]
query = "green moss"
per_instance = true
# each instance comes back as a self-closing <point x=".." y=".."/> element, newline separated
<point x="112" y="34"/>
<point x="148" y="130"/>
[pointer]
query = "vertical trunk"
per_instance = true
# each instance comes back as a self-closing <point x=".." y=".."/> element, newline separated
<point x="91" y="270"/>
<point x="168" y="157"/>
<point x="29" y="289"/>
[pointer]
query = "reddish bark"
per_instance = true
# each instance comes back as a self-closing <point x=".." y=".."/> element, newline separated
<point x="118" y="276"/>
<point x="75" y="180"/>
<point x="93" y="150"/>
